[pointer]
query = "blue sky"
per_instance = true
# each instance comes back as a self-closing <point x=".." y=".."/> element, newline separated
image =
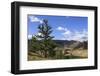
<point x="64" y="27"/>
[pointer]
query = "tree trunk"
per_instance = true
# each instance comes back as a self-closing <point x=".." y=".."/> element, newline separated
<point x="45" y="54"/>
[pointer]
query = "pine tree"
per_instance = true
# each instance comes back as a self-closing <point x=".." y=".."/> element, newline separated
<point x="34" y="44"/>
<point x="46" y="43"/>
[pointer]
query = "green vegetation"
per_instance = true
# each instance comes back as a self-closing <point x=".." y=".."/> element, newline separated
<point x="43" y="47"/>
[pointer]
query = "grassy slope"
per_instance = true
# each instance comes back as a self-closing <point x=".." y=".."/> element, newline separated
<point x="76" y="54"/>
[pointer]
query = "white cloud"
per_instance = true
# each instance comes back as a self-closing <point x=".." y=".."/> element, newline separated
<point x="70" y="35"/>
<point x="79" y="36"/>
<point x="67" y="32"/>
<point x="29" y="36"/>
<point x="60" y="28"/>
<point x="35" y="19"/>
<point x="64" y="30"/>
<point x="39" y="34"/>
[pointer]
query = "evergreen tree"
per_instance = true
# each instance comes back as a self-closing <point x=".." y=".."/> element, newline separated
<point x="46" y="43"/>
<point x="34" y="44"/>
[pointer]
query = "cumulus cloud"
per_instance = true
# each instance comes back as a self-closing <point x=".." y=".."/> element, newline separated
<point x="60" y="28"/>
<point x="70" y="35"/>
<point x="35" y="19"/>
<point x="80" y="36"/>
<point x="29" y="36"/>
<point x="39" y="34"/>
<point x="65" y="30"/>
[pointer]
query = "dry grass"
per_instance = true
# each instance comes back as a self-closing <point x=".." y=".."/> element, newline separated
<point x="80" y="53"/>
<point x="34" y="56"/>
<point x="75" y="54"/>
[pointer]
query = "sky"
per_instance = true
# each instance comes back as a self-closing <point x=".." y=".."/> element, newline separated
<point x="64" y="27"/>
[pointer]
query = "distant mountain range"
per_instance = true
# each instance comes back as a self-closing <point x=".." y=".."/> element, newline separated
<point x="64" y="42"/>
<point x="71" y="44"/>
